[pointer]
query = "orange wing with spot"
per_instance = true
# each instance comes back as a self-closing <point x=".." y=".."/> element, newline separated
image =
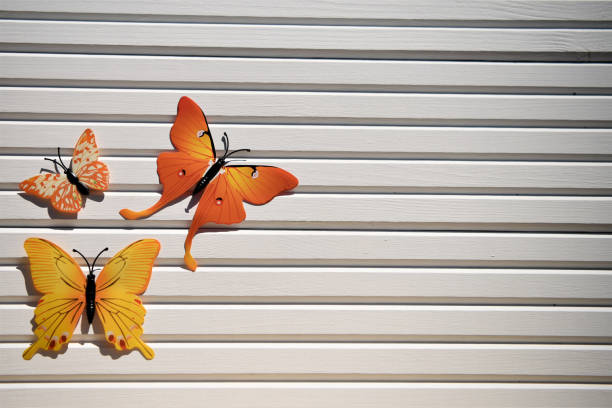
<point x="221" y="202"/>
<point x="190" y="133"/>
<point x="60" y="279"/>
<point x="125" y="276"/>
<point x="85" y="165"/>
<point x="179" y="171"/>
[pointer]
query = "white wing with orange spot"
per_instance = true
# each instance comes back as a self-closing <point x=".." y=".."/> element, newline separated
<point x="43" y="185"/>
<point x="67" y="198"/>
<point x="85" y="151"/>
<point x="94" y="175"/>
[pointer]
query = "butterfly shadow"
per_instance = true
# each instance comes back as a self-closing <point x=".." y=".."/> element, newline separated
<point x="24" y="267"/>
<point x="44" y="203"/>
<point x="97" y="196"/>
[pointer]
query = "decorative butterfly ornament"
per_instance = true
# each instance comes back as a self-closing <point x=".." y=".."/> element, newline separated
<point x="113" y="296"/>
<point x="84" y="173"/>
<point x="220" y="187"/>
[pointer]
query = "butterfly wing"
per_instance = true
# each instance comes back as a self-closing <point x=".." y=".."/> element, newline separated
<point x="64" y="196"/>
<point x="221" y="202"/>
<point x="85" y="164"/>
<point x="67" y="198"/>
<point x="260" y="184"/>
<point x="94" y="175"/>
<point x="43" y="185"/>
<point x="60" y="279"/>
<point x="85" y="151"/>
<point x="125" y="276"/>
<point x="179" y="171"/>
<point x="190" y="133"/>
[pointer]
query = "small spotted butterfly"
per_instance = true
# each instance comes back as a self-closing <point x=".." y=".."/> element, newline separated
<point x="84" y="172"/>
<point x="196" y="168"/>
<point x="67" y="292"/>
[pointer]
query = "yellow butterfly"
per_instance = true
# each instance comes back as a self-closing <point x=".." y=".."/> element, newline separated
<point x="67" y="292"/>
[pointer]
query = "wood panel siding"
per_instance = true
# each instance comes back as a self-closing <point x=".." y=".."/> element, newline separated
<point x="449" y="243"/>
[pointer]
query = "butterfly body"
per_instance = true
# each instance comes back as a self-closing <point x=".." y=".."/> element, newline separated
<point x="74" y="180"/>
<point x="90" y="297"/>
<point x="208" y="176"/>
<point x="195" y="168"/>
<point x="112" y="296"/>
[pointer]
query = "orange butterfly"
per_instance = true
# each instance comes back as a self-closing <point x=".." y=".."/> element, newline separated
<point x="66" y="190"/>
<point x="223" y="187"/>
<point x="67" y="292"/>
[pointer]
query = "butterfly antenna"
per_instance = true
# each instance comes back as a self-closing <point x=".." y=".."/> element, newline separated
<point x="225" y="140"/>
<point x="60" y="163"/>
<point x="94" y="262"/>
<point x="60" y="158"/>
<point x="54" y="162"/>
<point x="236" y="151"/>
<point x="86" y="261"/>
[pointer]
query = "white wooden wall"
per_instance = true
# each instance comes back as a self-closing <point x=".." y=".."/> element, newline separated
<point x="448" y="246"/>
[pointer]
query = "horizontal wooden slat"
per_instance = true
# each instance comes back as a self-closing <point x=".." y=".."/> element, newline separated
<point x="294" y="40"/>
<point x="291" y="361"/>
<point x="138" y="139"/>
<point x="350" y="323"/>
<point x="392" y="10"/>
<point x="305" y="107"/>
<point x="308" y="394"/>
<point x="338" y="211"/>
<point x="355" y="285"/>
<point x="265" y="247"/>
<point x="302" y="37"/>
<point x="266" y="73"/>
<point x="392" y="176"/>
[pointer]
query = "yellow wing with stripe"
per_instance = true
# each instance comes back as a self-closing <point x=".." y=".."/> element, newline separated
<point x="60" y="279"/>
<point x="118" y="306"/>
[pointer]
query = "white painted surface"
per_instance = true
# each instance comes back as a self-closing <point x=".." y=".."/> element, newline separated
<point x="449" y="243"/>
<point x="304" y="73"/>
<point x="308" y="107"/>
<point x="597" y="10"/>
<point x="305" y="394"/>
